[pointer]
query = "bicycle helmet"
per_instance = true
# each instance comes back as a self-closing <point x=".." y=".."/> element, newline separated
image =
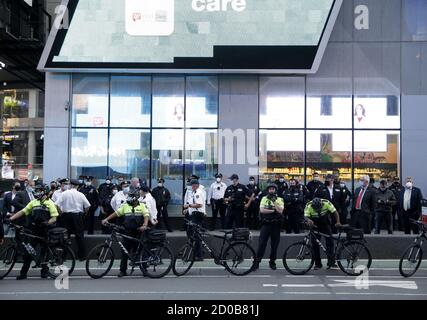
<point x="316" y="204"/>
<point x="40" y="191"/>
<point x="271" y="185"/>
<point x="132" y="198"/>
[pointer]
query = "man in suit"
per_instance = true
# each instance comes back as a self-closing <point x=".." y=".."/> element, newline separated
<point x="410" y="199"/>
<point x="23" y="198"/>
<point x="8" y="208"/>
<point x="364" y="205"/>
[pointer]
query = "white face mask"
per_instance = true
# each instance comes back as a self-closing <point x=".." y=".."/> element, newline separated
<point x="107" y="181"/>
<point x="126" y="190"/>
<point x="409" y="185"/>
<point x="115" y="191"/>
<point x="316" y="179"/>
<point x="218" y="180"/>
<point x="88" y="183"/>
<point x="282" y="180"/>
<point x="66" y="187"/>
<point x="342" y="185"/>
<point x="160" y="185"/>
<point x="252" y="182"/>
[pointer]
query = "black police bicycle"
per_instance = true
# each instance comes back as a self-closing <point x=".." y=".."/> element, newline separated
<point x="413" y="255"/>
<point x="59" y="257"/>
<point x="350" y="252"/>
<point x="236" y="255"/>
<point x="152" y="256"/>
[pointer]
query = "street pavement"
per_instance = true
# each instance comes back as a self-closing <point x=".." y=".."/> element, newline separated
<point x="208" y="281"/>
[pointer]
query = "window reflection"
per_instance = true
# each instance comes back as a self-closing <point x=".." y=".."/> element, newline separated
<point x="130" y="101"/>
<point x="90" y="101"/>
<point x="202" y="102"/>
<point x="329" y="152"/>
<point x="281" y="152"/>
<point x="376" y="112"/>
<point x="89" y="152"/>
<point x="282" y="102"/>
<point x="376" y="153"/>
<point x="129" y="153"/>
<point x="329" y="112"/>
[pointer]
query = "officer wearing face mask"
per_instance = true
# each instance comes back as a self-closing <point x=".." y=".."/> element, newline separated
<point x="281" y="184"/>
<point x="64" y="185"/>
<point x="396" y="187"/>
<point x="216" y="200"/>
<point x="105" y="191"/>
<point x="252" y="212"/>
<point x="345" y="200"/>
<point x="410" y="200"/>
<point x="93" y="197"/>
<point x="313" y="185"/>
<point x="294" y="206"/>
<point x="235" y="197"/>
<point x="119" y="198"/>
<point x="385" y="201"/>
<point x="271" y="214"/>
<point x="162" y="196"/>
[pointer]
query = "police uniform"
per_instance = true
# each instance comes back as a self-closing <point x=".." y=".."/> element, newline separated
<point x="38" y="211"/>
<point x="271" y="224"/>
<point x="93" y="197"/>
<point x="162" y="196"/>
<point x="216" y="199"/>
<point x="312" y="187"/>
<point x="323" y="222"/>
<point x="133" y="219"/>
<point x="73" y="205"/>
<point x="294" y="201"/>
<point x="236" y="204"/>
<point x="196" y="215"/>
<point x="252" y="212"/>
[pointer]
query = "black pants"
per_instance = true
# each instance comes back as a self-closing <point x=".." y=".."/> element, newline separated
<point x="107" y="211"/>
<point x="40" y="232"/>
<point x="235" y="217"/>
<point x="90" y="219"/>
<point x="360" y="219"/>
<point x="162" y="212"/>
<point x="218" y="206"/>
<point x="397" y="219"/>
<point x="323" y="227"/>
<point x="197" y="219"/>
<point x="383" y="216"/>
<point x="343" y="215"/>
<point x="272" y="231"/>
<point x="294" y="220"/>
<point x="408" y="226"/>
<point x="74" y="223"/>
<point x="252" y="214"/>
<point x="130" y="246"/>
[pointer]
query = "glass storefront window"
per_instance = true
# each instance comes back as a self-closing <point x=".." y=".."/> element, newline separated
<point x="90" y="101"/>
<point x="329" y="112"/>
<point x="281" y="102"/>
<point x="201" y="154"/>
<point x="202" y="102"/>
<point x="129" y="153"/>
<point x="130" y="101"/>
<point x="281" y="152"/>
<point x="89" y="149"/>
<point x="329" y="152"/>
<point x="376" y="153"/>
<point x="168" y="102"/>
<point x="376" y="112"/>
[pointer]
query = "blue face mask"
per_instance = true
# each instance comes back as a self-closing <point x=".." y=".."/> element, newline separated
<point x="126" y="190"/>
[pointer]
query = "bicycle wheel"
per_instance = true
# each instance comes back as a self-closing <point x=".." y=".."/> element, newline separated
<point x="60" y="259"/>
<point x="239" y="258"/>
<point x="353" y="258"/>
<point x="184" y="260"/>
<point x="7" y="260"/>
<point x="158" y="260"/>
<point x="99" y="261"/>
<point x="410" y="260"/>
<point x="298" y="258"/>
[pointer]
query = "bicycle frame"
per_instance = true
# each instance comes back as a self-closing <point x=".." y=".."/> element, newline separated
<point x="313" y="235"/>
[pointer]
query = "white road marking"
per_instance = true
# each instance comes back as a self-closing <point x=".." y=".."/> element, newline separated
<point x="270" y="285"/>
<point x="307" y="292"/>
<point x="303" y="285"/>
<point x="410" y="285"/>
<point x="131" y="292"/>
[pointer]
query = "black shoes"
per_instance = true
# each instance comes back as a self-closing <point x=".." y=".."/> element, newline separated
<point x="122" y="274"/>
<point x="255" y="266"/>
<point x="273" y="265"/>
<point x="318" y="267"/>
<point x="21" y="277"/>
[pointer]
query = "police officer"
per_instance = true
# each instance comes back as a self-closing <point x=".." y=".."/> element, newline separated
<point x="73" y="205"/>
<point x="196" y="212"/>
<point x="162" y="196"/>
<point x="105" y="191"/>
<point x="43" y="214"/>
<point x="294" y="202"/>
<point x="120" y="197"/>
<point x="64" y="185"/>
<point x="313" y="185"/>
<point x="271" y="213"/>
<point x="136" y="218"/>
<point x="216" y="200"/>
<point x="235" y="197"/>
<point x="147" y="199"/>
<point x="281" y="184"/>
<point x="252" y="212"/>
<point x="396" y="187"/>
<point x="317" y="213"/>
<point x="345" y="201"/>
<point x="93" y="197"/>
